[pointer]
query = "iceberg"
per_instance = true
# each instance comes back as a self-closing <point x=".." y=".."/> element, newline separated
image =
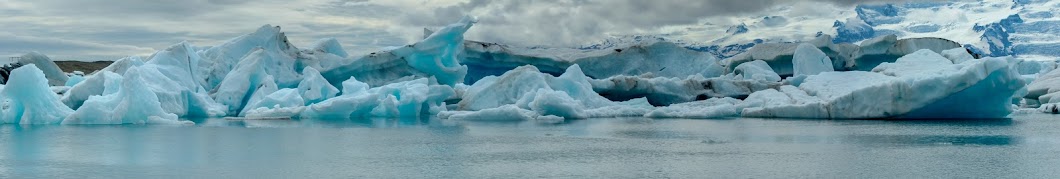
<point x="55" y="76"/>
<point x="94" y="85"/>
<point x="808" y="60"/>
<point x="344" y="106"/>
<point x="121" y="65"/>
<point x="780" y="56"/>
<point x="285" y="103"/>
<point x="131" y="103"/>
<point x="1045" y="88"/>
<point x="570" y="95"/>
<point x="661" y="91"/>
<point x="436" y="56"/>
<point x="923" y="84"/>
<point x="245" y="80"/>
<point x="413" y="98"/>
<point x="74" y="80"/>
<point x="171" y="75"/>
<point x="889" y="48"/>
<point x="314" y="88"/>
<point x="218" y="61"/>
<point x="756" y="70"/>
<point x="957" y="55"/>
<point x="26" y="99"/>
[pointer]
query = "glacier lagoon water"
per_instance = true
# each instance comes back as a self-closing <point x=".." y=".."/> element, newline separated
<point x="1024" y="146"/>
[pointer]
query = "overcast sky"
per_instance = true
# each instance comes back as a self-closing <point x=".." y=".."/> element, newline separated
<point x="139" y="27"/>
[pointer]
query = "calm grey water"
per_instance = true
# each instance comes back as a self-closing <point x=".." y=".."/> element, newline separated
<point x="1026" y="146"/>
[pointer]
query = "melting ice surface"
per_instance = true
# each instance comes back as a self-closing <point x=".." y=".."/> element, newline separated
<point x="262" y="76"/>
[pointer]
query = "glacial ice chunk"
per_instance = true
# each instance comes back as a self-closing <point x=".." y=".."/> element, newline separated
<point x="780" y="56"/>
<point x="314" y="88"/>
<point x="55" y="76"/>
<point x="706" y="109"/>
<point x="808" y="60"/>
<point x="170" y="74"/>
<point x="756" y="70"/>
<point x="957" y="55"/>
<point x="888" y="49"/>
<point x="436" y="56"/>
<point x="331" y="46"/>
<point x="1045" y="88"/>
<point x="570" y="95"/>
<point x="923" y="84"/>
<point x="342" y="107"/>
<point x="218" y="61"/>
<point x="285" y="102"/>
<point x="352" y="86"/>
<point x="504" y="113"/>
<point x="133" y="103"/>
<point x="662" y="91"/>
<point x="26" y="99"/>
<point x="243" y="81"/>
<point x="491" y="92"/>
<point x="74" y="80"/>
<point x="402" y="99"/>
<point x="439" y="54"/>
<point x="123" y="64"/>
<point x="411" y="98"/>
<point x="93" y="85"/>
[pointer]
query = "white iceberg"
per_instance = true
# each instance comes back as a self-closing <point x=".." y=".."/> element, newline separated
<point x="780" y="56"/>
<point x="808" y="60"/>
<point x="919" y="85"/>
<point x="569" y="96"/>
<point x="757" y="70"/>
<point x="285" y="103"/>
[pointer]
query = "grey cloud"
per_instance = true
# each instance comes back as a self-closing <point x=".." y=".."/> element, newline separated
<point x="13" y="45"/>
<point x="132" y="8"/>
<point x="573" y="22"/>
<point x="356" y="40"/>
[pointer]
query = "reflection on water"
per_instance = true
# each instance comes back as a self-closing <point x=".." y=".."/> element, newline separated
<point x="1022" y="147"/>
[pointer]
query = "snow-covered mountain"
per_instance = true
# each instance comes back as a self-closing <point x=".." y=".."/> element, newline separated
<point x="1028" y="29"/>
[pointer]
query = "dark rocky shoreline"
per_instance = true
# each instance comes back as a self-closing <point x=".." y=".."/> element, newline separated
<point x="86" y="67"/>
